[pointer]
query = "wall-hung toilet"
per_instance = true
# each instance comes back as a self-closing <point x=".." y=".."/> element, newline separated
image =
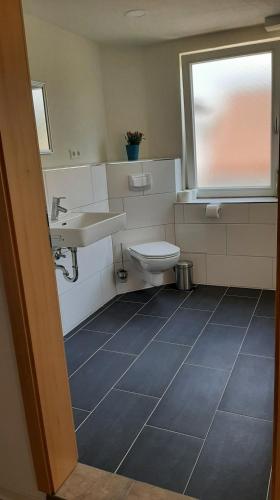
<point x="153" y="259"/>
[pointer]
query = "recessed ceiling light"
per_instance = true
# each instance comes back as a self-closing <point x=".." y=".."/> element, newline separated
<point x="135" y="13"/>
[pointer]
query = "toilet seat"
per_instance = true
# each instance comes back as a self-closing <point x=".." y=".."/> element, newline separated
<point x="154" y="250"/>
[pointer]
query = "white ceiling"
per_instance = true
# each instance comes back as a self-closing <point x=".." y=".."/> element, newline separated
<point x="104" y="20"/>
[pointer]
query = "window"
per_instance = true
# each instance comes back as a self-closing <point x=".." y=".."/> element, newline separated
<point x="41" y="117"/>
<point x="230" y="120"/>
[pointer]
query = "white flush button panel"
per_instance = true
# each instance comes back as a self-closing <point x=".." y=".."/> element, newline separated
<point x="140" y="182"/>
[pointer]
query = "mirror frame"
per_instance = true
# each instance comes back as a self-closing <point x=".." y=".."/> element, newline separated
<point x="36" y="84"/>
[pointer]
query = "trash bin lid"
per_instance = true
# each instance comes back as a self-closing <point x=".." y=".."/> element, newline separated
<point x="184" y="263"/>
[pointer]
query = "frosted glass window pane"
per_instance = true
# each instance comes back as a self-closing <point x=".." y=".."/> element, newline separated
<point x="40" y="117"/>
<point x="232" y="121"/>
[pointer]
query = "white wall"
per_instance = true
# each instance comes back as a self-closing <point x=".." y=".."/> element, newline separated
<point x="238" y="249"/>
<point x="150" y="212"/>
<point x="70" y="67"/>
<point x="17" y="477"/>
<point x="126" y="98"/>
<point x="85" y="188"/>
<point x="142" y="90"/>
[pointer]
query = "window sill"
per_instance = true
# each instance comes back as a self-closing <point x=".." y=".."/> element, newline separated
<point x="203" y="201"/>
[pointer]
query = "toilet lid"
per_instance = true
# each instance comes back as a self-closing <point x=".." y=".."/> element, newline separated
<point x="156" y="249"/>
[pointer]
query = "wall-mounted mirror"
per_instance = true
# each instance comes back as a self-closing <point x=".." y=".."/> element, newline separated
<point x="42" y="118"/>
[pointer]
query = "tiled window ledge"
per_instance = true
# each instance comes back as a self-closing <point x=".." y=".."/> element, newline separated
<point x="203" y="201"/>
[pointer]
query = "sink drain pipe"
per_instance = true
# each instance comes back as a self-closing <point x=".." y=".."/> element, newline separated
<point x="58" y="255"/>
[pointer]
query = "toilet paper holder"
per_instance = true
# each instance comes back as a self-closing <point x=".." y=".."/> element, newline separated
<point x="213" y="210"/>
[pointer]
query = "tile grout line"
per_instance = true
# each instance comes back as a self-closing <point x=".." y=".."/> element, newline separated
<point x="243" y="415"/>
<point x="136" y="393"/>
<point x="136" y="358"/>
<point x="80" y="409"/>
<point x="222" y="395"/>
<point x="171" y="343"/>
<point x="171" y="381"/>
<point x="152" y="316"/>
<point x="173" y="432"/>
<point x="119" y="352"/>
<point x="262" y="316"/>
<point x="206" y="367"/>
<point x="269" y="484"/>
<point x="112" y="336"/>
<point x="256" y="355"/>
<point x="231" y="326"/>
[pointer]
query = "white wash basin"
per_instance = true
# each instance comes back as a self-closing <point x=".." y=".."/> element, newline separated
<point x="79" y="229"/>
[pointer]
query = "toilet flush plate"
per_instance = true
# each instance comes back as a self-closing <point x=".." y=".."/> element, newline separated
<point x="80" y="229"/>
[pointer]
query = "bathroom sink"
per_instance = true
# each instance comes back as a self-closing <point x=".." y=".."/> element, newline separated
<point x="79" y="229"/>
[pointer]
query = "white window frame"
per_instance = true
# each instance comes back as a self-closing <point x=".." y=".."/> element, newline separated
<point x="186" y="61"/>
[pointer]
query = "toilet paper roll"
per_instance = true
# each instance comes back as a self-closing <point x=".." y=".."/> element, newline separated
<point x="213" y="211"/>
<point x="185" y="196"/>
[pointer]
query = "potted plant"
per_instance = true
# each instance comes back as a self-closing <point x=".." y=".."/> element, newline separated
<point x="133" y="141"/>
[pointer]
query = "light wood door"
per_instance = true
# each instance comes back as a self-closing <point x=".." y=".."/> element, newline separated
<point x="27" y="265"/>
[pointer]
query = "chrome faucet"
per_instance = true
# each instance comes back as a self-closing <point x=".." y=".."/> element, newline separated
<point x="56" y="207"/>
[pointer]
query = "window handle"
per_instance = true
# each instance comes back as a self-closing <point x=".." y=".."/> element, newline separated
<point x="276" y="125"/>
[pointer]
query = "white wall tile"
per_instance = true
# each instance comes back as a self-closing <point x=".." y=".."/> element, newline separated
<point x="135" y="278"/>
<point x="108" y="284"/>
<point x="179" y="213"/>
<point x="251" y="239"/>
<point x="153" y="210"/>
<point x="99" y="182"/>
<point x="91" y="259"/>
<point x="134" y="236"/>
<point x="201" y="238"/>
<point x="78" y="303"/>
<point x="74" y="183"/>
<point x="170" y="233"/>
<point x="199" y="265"/>
<point x="116" y="205"/>
<point x="263" y="213"/>
<point x="163" y="176"/>
<point x="100" y="206"/>
<point x="230" y="213"/>
<point x="117" y="179"/>
<point x="252" y="272"/>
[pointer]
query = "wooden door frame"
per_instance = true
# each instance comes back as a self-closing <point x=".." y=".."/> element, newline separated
<point x="27" y="264"/>
<point x="29" y="276"/>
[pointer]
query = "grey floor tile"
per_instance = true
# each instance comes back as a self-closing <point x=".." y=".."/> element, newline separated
<point x="190" y="402"/>
<point x="136" y="334"/>
<point x="108" y="433"/>
<point x="266" y="305"/>
<point x="234" y="311"/>
<point x="161" y="458"/>
<point x="260" y="339"/>
<point x="154" y="369"/>
<point x="235" y="461"/>
<point x="205" y="297"/>
<point x="79" y="416"/>
<point x="217" y="347"/>
<point x="81" y="346"/>
<point x="142" y="296"/>
<point x="253" y="293"/>
<point x="165" y="303"/>
<point x="250" y="388"/>
<point x="185" y="326"/>
<point x="96" y="377"/>
<point x="84" y="323"/>
<point x="114" y="317"/>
